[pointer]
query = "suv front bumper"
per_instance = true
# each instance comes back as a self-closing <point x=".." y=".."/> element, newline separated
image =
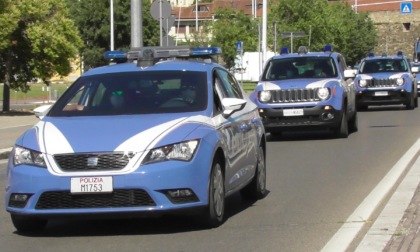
<point x="322" y="117"/>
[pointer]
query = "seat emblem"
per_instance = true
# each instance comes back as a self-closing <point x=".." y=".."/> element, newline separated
<point x="92" y="161"/>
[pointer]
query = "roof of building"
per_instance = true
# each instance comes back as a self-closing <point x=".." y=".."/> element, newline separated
<point x="208" y="10"/>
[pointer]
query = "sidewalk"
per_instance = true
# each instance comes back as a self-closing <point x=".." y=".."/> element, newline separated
<point x="396" y="229"/>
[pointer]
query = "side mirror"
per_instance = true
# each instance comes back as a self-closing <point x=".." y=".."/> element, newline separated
<point x="41" y="111"/>
<point x="350" y="73"/>
<point x="231" y="105"/>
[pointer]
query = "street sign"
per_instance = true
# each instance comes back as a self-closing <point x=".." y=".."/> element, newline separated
<point x="406" y="8"/>
<point x="239" y="46"/>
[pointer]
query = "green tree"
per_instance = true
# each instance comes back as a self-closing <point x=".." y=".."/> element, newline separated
<point x="232" y="26"/>
<point x="92" y="18"/>
<point x="324" y="23"/>
<point x="38" y="40"/>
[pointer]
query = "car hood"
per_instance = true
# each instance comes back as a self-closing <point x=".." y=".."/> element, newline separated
<point x="125" y="133"/>
<point x="383" y="76"/>
<point x="298" y="83"/>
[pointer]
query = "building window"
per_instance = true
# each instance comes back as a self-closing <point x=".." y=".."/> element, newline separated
<point x="202" y="8"/>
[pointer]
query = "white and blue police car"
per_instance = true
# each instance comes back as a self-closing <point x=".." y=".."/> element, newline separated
<point x="167" y="131"/>
<point x="386" y="80"/>
<point x="306" y="91"/>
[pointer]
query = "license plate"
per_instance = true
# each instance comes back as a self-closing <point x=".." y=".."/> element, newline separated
<point x="293" y="112"/>
<point x="381" y="93"/>
<point x="91" y="185"/>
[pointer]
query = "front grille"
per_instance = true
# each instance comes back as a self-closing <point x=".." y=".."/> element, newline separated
<point x="379" y="83"/>
<point x="92" y="161"/>
<point x="294" y="95"/>
<point x="118" y="198"/>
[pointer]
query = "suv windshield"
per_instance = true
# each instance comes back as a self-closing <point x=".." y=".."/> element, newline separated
<point x="134" y="93"/>
<point x="300" y="67"/>
<point x="383" y="65"/>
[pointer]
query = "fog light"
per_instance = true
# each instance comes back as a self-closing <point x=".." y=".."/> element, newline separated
<point x="327" y="107"/>
<point x="261" y="111"/>
<point x="179" y="196"/>
<point x="19" y="200"/>
<point x="180" y="193"/>
<point x="330" y="116"/>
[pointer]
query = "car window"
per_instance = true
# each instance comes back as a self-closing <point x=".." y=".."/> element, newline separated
<point x="229" y="86"/>
<point x="300" y="67"/>
<point x="384" y="65"/>
<point x="134" y="93"/>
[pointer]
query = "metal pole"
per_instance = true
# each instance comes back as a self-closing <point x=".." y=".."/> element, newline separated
<point x="111" y="7"/>
<point x="264" y="30"/>
<point x="196" y="16"/>
<point x="291" y="42"/>
<point x="160" y="22"/>
<point x="275" y="38"/>
<point x="136" y="23"/>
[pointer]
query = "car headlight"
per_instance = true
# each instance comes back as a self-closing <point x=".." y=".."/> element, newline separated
<point x="362" y="83"/>
<point x="400" y="81"/>
<point x="27" y="156"/>
<point x="180" y="151"/>
<point x="323" y="93"/>
<point x="265" y="96"/>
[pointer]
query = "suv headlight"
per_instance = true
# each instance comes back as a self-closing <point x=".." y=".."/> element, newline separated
<point x="26" y="156"/>
<point x="180" y="151"/>
<point x="362" y="83"/>
<point x="400" y="81"/>
<point x="323" y="93"/>
<point x="265" y="96"/>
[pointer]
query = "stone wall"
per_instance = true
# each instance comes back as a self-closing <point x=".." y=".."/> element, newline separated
<point x="396" y="31"/>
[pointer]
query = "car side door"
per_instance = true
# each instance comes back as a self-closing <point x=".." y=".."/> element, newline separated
<point x="240" y="132"/>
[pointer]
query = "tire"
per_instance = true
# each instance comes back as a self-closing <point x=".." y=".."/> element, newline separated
<point x="411" y="104"/>
<point x="342" y="131"/>
<point x="257" y="188"/>
<point x="214" y="215"/>
<point x="353" y="123"/>
<point x="25" y="224"/>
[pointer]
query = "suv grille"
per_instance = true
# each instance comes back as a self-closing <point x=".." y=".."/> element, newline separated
<point x="118" y="198"/>
<point x="92" y="161"/>
<point x="294" y="95"/>
<point x="377" y="83"/>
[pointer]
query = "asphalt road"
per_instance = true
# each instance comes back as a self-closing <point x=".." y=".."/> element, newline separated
<point x="315" y="182"/>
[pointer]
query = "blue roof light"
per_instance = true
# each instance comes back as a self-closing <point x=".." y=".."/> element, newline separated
<point x="284" y="50"/>
<point x="400" y="53"/>
<point x="371" y="54"/>
<point x="115" y="55"/>
<point x="328" y="48"/>
<point x="204" y="51"/>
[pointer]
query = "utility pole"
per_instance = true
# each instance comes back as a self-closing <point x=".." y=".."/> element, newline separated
<point x="136" y="23"/>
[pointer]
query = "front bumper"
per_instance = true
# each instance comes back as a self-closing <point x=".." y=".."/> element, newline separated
<point x="142" y="192"/>
<point x="382" y="97"/>
<point x="322" y="117"/>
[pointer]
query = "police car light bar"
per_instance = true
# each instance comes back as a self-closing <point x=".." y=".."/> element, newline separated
<point x="399" y="53"/>
<point x="284" y="50"/>
<point x="302" y="50"/>
<point x="117" y="56"/>
<point x="371" y="54"/>
<point x="147" y="56"/>
<point x="328" y="48"/>
<point x="384" y="54"/>
<point x="205" y="51"/>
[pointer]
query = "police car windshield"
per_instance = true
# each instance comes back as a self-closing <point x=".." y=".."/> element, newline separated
<point x="383" y="65"/>
<point x="300" y="67"/>
<point x="134" y="93"/>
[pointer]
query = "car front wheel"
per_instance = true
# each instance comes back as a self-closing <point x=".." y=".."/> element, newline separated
<point x="216" y="208"/>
